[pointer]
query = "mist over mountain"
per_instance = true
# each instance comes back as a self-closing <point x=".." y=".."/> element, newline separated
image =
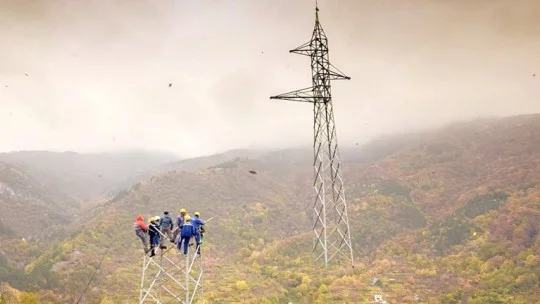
<point x="76" y="178"/>
<point x="71" y="83"/>
<point x="436" y="217"/>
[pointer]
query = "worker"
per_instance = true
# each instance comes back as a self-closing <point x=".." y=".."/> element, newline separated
<point x="179" y="223"/>
<point x="153" y="232"/>
<point x="197" y="224"/>
<point x="141" y="230"/>
<point x="166" y="224"/>
<point x="180" y="219"/>
<point x="157" y="219"/>
<point x="186" y="233"/>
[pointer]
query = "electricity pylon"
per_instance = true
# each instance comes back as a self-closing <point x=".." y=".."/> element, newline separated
<point x="331" y="233"/>
<point x="172" y="277"/>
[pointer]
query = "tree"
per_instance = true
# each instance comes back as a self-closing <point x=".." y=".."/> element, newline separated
<point x="486" y="297"/>
<point x="451" y="298"/>
<point x="29" y="298"/>
<point x="526" y="281"/>
<point x="106" y="300"/>
<point x="241" y="285"/>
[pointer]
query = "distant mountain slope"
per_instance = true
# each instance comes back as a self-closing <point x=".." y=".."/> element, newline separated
<point x="28" y="216"/>
<point x="447" y="216"/>
<point x="203" y="162"/>
<point x="75" y="178"/>
<point x="27" y="207"/>
<point x="474" y="157"/>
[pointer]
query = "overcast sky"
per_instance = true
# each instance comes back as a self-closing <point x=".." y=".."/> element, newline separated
<point x="98" y="70"/>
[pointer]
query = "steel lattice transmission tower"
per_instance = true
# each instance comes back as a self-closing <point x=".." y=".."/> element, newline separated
<point x="331" y="233"/>
<point x="172" y="277"/>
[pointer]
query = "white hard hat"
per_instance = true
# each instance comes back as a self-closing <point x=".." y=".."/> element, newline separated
<point x="157" y="217"/>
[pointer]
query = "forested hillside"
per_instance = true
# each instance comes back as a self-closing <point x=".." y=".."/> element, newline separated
<point x="21" y="197"/>
<point x="28" y="216"/>
<point x="448" y="216"/>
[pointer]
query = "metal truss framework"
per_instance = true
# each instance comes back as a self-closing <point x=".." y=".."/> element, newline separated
<point x="331" y="232"/>
<point x="172" y="277"/>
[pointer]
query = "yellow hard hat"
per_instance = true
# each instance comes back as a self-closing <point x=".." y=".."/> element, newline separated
<point x="197" y="213"/>
<point x="187" y="217"/>
<point x="151" y="219"/>
<point x="182" y="210"/>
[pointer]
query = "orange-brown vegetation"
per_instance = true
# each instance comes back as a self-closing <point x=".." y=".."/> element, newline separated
<point x="452" y="215"/>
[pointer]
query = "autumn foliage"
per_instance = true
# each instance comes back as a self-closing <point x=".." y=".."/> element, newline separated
<point x="450" y="216"/>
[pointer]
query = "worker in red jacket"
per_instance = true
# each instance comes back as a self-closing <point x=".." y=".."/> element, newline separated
<point x="141" y="230"/>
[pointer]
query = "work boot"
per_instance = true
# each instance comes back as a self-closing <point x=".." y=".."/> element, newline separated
<point x="162" y="247"/>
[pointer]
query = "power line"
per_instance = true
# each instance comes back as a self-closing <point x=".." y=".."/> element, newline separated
<point x="93" y="275"/>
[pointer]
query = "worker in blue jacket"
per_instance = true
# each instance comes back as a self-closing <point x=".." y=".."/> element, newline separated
<point x="197" y="224"/>
<point x="186" y="233"/>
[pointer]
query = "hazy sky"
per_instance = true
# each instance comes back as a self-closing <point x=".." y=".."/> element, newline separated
<point x="98" y="70"/>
